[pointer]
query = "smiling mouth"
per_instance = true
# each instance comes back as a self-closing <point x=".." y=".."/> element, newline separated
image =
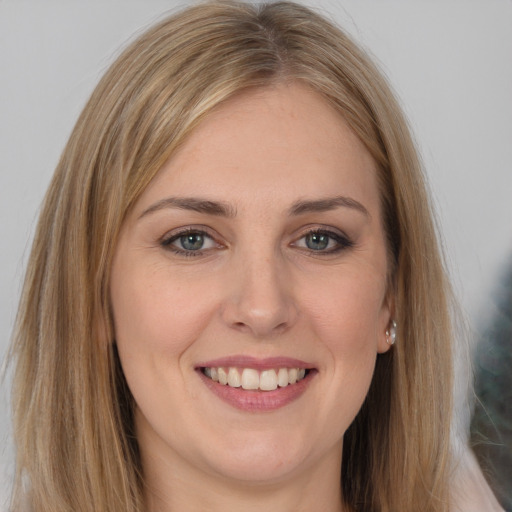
<point x="251" y="379"/>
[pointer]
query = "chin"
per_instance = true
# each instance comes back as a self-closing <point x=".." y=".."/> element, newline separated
<point x="266" y="457"/>
<point x="264" y="467"/>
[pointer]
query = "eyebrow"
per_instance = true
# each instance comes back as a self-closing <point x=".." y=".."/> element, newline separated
<point x="222" y="209"/>
<point x="326" y="204"/>
<point x="218" y="208"/>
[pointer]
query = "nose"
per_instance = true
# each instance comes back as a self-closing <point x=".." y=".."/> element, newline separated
<point x="260" y="300"/>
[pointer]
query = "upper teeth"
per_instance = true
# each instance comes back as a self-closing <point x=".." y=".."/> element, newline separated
<point x="249" y="378"/>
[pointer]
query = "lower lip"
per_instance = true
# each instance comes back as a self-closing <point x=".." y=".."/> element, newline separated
<point x="258" y="401"/>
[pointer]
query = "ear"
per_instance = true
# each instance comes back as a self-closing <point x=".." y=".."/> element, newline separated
<point x="387" y="328"/>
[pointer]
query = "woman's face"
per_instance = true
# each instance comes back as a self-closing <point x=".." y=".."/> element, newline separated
<point x="257" y="256"/>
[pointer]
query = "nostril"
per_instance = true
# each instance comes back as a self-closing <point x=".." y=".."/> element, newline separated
<point x="240" y="326"/>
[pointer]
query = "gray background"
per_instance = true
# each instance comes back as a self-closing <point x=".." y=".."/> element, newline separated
<point x="449" y="61"/>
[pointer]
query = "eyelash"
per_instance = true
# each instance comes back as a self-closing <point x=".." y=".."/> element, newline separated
<point x="342" y="242"/>
<point x="167" y="242"/>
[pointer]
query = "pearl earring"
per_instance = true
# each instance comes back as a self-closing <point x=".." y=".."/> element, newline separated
<point x="391" y="334"/>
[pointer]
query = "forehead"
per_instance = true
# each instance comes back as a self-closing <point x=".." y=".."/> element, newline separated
<point x="269" y="145"/>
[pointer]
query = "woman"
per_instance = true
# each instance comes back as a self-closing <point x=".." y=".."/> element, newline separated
<point x="236" y="235"/>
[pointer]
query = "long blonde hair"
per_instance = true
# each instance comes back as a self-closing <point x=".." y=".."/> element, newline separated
<point x="76" y="448"/>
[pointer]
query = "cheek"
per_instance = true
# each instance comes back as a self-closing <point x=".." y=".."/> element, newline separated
<point x="150" y="315"/>
<point x="155" y="325"/>
<point x="349" y="312"/>
<point x="347" y="319"/>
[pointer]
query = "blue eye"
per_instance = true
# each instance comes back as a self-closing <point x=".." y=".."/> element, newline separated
<point x="317" y="241"/>
<point x="190" y="242"/>
<point x="323" y="242"/>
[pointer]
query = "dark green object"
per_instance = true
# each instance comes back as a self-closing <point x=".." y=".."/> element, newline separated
<point x="491" y="426"/>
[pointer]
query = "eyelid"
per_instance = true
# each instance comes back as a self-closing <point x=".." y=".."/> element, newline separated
<point x="343" y="241"/>
<point x="169" y="237"/>
<point x="184" y="230"/>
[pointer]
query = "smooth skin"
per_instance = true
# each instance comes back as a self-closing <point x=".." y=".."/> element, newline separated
<point x="285" y="257"/>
